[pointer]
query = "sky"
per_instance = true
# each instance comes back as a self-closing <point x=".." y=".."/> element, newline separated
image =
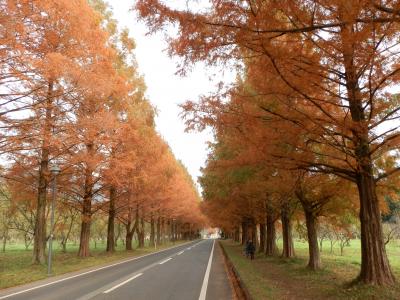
<point x="166" y="90"/>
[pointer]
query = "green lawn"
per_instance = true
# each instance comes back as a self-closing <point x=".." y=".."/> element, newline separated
<point x="16" y="263"/>
<point x="276" y="278"/>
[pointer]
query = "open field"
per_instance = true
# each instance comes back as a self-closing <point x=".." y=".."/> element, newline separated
<point x="276" y="278"/>
<point x="16" y="263"/>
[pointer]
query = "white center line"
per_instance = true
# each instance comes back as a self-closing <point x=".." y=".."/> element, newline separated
<point x="122" y="283"/>
<point x="164" y="261"/>
<point x="206" y="276"/>
<point x="180" y="252"/>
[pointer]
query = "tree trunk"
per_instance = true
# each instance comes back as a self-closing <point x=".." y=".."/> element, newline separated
<point x="178" y="231"/>
<point x="270" y="247"/>
<point x="167" y="230"/>
<point x="287" y="237"/>
<point x="129" y="238"/>
<point x="152" y="231"/>
<point x="254" y="236"/>
<point x="27" y="241"/>
<point x="39" y="242"/>
<point x="237" y="235"/>
<point x="158" y="238"/>
<point x="4" y="241"/>
<point x="262" y="238"/>
<point x="84" y="250"/>
<point x="118" y="236"/>
<point x="171" y="236"/>
<point x="64" y="245"/>
<point x="244" y="232"/>
<point x="174" y="231"/>
<point x="375" y="268"/>
<point x="84" y="245"/>
<point x="140" y="233"/>
<point x="163" y="231"/>
<point x="314" y="262"/>
<point x="191" y="235"/>
<point x="111" y="222"/>
<point x="66" y="237"/>
<point x="130" y="231"/>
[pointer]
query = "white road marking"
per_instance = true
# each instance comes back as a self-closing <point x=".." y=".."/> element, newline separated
<point x="94" y="293"/>
<point x="203" y="291"/>
<point x="180" y="252"/>
<point x="84" y="273"/>
<point x="164" y="261"/>
<point x="122" y="283"/>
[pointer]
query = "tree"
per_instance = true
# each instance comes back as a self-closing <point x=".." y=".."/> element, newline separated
<point x="47" y="72"/>
<point x="6" y="217"/>
<point x="71" y="94"/>
<point x="327" y="69"/>
<point x="319" y="195"/>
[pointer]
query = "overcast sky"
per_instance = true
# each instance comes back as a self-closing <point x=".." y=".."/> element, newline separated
<point x="166" y="90"/>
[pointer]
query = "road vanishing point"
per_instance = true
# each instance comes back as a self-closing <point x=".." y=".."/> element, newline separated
<point x="193" y="270"/>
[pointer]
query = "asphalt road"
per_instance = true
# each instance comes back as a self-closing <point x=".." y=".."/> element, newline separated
<point x="191" y="271"/>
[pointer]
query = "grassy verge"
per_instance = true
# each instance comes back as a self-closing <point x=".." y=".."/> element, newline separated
<point x="255" y="281"/>
<point x="16" y="263"/>
<point x="276" y="278"/>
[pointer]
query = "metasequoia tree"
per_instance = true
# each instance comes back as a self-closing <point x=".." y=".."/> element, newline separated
<point x="329" y="67"/>
<point x="319" y="195"/>
<point x="44" y="69"/>
<point x="235" y="186"/>
<point x="153" y="186"/>
<point x="127" y="107"/>
<point x="97" y="133"/>
<point x="71" y="94"/>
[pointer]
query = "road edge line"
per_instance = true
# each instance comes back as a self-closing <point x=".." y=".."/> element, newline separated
<point x="204" y="286"/>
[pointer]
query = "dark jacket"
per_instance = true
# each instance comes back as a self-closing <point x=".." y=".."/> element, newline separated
<point x="250" y="247"/>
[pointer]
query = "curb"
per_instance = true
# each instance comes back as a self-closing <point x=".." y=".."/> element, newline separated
<point x="240" y="288"/>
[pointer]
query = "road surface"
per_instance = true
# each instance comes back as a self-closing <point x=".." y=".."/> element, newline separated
<point x="190" y="271"/>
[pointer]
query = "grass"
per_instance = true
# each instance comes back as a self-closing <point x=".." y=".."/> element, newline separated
<point x="255" y="281"/>
<point x="276" y="278"/>
<point x="16" y="263"/>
